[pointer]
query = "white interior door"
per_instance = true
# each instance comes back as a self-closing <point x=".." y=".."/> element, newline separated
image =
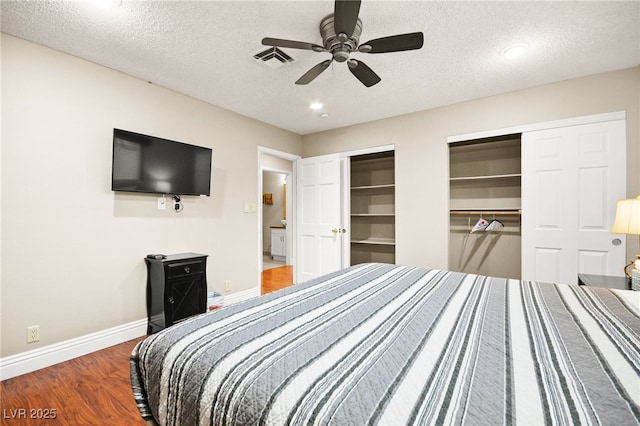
<point x="319" y="236"/>
<point x="571" y="179"/>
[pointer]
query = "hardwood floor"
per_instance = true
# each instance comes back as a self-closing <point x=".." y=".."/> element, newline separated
<point x="276" y="278"/>
<point x="90" y="390"/>
<point x="93" y="389"/>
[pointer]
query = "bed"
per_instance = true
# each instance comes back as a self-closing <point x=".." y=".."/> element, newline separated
<point x="395" y="345"/>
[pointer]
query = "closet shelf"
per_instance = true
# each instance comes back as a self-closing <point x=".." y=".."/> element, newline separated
<point x="501" y="212"/>
<point x="372" y="215"/>
<point x="375" y="241"/>
<point x="485" y="177"/>
<point x="365" y="187"/>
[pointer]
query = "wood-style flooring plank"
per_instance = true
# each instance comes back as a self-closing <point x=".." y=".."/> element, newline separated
<point x="93" y="389"/>
<point x="276" y="278"/>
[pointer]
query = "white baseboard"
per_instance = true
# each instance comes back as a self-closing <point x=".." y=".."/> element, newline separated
<point x="230" y="299"/>
<point x="26" y="362"/>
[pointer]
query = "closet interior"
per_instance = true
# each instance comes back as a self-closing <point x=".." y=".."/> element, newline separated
<point x="485" y="206"/>
<point x="372" y="208"/>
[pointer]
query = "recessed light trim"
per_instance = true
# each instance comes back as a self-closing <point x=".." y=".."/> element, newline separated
<point x="324" y="115"/>
<point x="315" y="106"/>
<point x="515" y="50"/>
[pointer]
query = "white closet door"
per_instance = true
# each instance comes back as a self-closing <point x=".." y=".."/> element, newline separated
<point x="319" y="240"/>
<point x="571" y="180"/>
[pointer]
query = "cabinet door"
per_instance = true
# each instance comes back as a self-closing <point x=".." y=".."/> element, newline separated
<point x="571" y="179"/>
<point x="277" y="243"/>
<point x="185" y="297"/>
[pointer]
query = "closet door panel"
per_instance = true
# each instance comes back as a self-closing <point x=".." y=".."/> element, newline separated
<point x="592" y="201"/>
<point x="547" y="264"/>
<point x="571" y="179"/>
<point x="548" y="214"/>
<point x="593" y="262"/>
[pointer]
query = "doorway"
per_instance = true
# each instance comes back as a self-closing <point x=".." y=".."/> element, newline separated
<point x="276" y="219"/>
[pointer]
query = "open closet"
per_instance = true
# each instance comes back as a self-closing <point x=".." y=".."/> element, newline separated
<point x="372" y="208"/>
<point x="485" y="206"/>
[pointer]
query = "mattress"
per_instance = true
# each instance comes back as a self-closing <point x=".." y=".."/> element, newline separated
<point x="395" y="345"/>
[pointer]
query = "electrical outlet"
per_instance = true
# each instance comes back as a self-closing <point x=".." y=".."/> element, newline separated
<point x="227" y="286"/>
<point x="33" y="333"/>
<point x="162" y="203"/>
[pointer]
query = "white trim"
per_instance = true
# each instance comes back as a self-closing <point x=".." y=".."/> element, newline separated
<point x="372" y="150"/>
<point x="230" y="299"/>
<point x="276" y="153"/>
<point x="26" y="362"/>
<point x="587" y="119"/>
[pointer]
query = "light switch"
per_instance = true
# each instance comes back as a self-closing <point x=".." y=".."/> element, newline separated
<point x="246" y="207"/>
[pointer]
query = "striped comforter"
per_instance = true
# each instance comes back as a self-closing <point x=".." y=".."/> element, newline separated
<point x="393" y="345"/>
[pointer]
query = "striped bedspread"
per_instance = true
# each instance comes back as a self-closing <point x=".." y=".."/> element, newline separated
<point x="392" y="345"/>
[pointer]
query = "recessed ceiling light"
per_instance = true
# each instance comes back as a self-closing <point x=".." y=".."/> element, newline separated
<point x="107" y="4"/>
<point x="324" y="115"/>
<point x="515" y="50"/>
<point x="315" y="106"/>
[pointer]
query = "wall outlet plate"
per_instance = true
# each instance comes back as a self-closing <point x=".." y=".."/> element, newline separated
<point x="162" y="203"/>
<point x="33" y="333"/>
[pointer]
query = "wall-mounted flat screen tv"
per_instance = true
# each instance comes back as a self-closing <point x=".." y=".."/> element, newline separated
<point x="143" y="163"/>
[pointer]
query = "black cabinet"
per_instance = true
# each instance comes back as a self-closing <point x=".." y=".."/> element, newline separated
<point x="176" y="289"/>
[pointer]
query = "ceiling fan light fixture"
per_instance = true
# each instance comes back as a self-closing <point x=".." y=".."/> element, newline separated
<point x="340" y="32"/>
<point x="515" y="50"/>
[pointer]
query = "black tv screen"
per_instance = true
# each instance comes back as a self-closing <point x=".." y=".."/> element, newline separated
<point x="143" y="163"/>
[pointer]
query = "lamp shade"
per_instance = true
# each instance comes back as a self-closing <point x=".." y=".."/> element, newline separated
<point x="627" y="217"/>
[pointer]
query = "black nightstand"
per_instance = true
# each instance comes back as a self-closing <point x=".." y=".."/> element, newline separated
<point x="176" y="289"/>
<point x="620" y="283"/>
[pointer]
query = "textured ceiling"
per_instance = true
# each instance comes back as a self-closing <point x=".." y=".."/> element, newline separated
<point x="204" y="49"/>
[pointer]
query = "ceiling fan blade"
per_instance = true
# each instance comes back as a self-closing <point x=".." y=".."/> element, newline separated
<point x="363" y="73"/>
<point x="292" y="44"/>
<point x="310" y="75"/>
<point x="345" y="15"/>
<point x="396" y="43"/>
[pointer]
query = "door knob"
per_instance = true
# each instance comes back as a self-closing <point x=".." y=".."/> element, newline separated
<point x="335" y="230"/>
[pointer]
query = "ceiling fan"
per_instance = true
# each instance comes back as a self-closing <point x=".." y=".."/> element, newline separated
<point x="340" y="33"/>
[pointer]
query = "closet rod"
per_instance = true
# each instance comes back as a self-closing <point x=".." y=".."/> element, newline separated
<point x="486" y="212"/>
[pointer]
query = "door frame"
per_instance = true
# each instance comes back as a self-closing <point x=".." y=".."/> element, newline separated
<point x="291" y="206"/>
<point x="543" y="125"/>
